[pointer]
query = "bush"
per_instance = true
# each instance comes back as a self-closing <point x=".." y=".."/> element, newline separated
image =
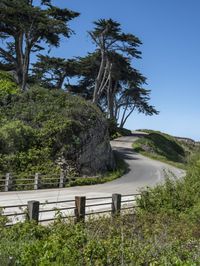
<point x="130" y="239"/>
<point x="163" y="231"/>
<point x="16" y="136"/>
<point x="175" y="195"/>
<point x="40" y="126"/>
<point x="7" y="85"/>
<point x="115" y="131"/>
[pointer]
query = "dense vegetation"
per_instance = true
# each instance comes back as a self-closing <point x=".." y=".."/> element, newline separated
<point x="38" y="127"/>
<point x="163" y="231"/>
<point x="7" y="84"/>
<point x="164" y="147"/>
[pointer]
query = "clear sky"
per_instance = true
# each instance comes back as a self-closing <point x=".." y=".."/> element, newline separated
<point x="170" y="32"/>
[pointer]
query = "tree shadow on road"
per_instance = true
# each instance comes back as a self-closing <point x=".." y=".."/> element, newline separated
<point x="126" y="153"/>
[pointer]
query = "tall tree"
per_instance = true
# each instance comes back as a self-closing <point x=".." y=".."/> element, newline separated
<point x="24" y="26"/>
<point x="124" y="92"/>
<point x="108" y="37"/>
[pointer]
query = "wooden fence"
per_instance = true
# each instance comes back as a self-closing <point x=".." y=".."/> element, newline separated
<point x="9" y="182"/>
<point x="78" y="208"/>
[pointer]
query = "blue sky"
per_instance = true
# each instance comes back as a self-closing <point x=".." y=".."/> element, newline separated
<point x="170" y="32"/>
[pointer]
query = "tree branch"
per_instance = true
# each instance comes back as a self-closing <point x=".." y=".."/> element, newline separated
<point x="7" y="55"/>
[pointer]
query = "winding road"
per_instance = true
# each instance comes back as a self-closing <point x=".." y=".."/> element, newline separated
<point x="142" y="172"/>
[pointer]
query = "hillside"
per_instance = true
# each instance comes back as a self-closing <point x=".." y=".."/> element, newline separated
<point x="161" y="146"/>
<point x="44" y="130"/>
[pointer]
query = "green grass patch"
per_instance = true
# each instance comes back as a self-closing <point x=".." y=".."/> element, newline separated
<point x="165" y="148"/>
<point x="121" y="168"/>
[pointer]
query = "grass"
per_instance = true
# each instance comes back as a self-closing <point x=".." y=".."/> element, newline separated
<point x="165" y="148"/>
<point x="121" y="168"/>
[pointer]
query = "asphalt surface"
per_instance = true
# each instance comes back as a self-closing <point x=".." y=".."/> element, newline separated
<point x="142" y="172"/>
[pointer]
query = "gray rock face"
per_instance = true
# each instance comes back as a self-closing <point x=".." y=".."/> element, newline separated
<point x="95" y="155"/>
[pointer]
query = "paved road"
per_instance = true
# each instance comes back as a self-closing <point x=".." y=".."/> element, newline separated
<point x="142" y="172"/>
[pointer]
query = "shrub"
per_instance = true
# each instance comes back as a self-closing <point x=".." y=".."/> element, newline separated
<point x="175" y="195"/>
<point x="40" y="126"/>
<point x="7" y="85"/>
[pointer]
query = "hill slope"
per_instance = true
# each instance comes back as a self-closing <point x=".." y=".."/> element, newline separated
<point x="164" y="147"/>
<point x="42" y="130"/>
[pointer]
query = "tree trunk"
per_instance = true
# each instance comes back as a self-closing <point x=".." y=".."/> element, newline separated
<point x="123" y="121"/>
<point x="22" y="50"/>
<point x="98" y="79"/>
<point x="109" y="96"/>
<point x="60" y="82"/>
<point x="25" y="68"/>
<point x="111" y="99"/>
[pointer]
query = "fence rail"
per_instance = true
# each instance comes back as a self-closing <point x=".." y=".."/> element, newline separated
<point x="9" y="182"/>
<point x="78" y="208"/>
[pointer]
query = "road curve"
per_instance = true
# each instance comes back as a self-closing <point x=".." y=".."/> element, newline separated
<point x="142" y="172"/>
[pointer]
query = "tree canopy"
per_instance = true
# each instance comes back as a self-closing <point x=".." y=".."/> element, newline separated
<point x="24" y="26"/>
<point x="51" y="72"/>
<point x="106" y="76"/>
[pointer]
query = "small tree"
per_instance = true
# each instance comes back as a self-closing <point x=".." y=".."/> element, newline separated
<point x="23" y="26"/>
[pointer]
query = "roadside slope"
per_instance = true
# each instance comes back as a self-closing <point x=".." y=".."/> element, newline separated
<point x="166" y="148"/>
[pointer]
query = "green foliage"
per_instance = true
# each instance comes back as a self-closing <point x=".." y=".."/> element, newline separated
<point x="7" y="85"/>
<point x="115" y="131"/>
<point x="25" y="27"/>
<point x="51" y="72"/>
<point x="112" y="127"/>
<point x="175" y="195"/>
<point x="163" y="231"/>
<point x="16" y="136"/>
<point x="40" y="126"/>
<point x="128" y="239"/>
<point x="120" y="132"/>
<point x="165" y="148"/>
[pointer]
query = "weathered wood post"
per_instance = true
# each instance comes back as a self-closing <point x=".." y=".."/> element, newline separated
<point x="8" y="182"/>
<point x="62" y="179"/>
<point x="116" y="204"/>
<point x="79" y="209"/>
<point x="36" y="181"/>
<point x="33" y="210"/>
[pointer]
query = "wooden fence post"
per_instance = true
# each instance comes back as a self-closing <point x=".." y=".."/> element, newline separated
<point x="8" y="182"/>
<point x="36" y="181"/>
<point x="80" y="209"/>
<point x="116" y="203"/>
<point x="33" y="210"/>
<point x="62" y="179"/>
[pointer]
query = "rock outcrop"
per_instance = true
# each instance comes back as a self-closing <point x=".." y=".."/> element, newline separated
<point x="95" y="155"/>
